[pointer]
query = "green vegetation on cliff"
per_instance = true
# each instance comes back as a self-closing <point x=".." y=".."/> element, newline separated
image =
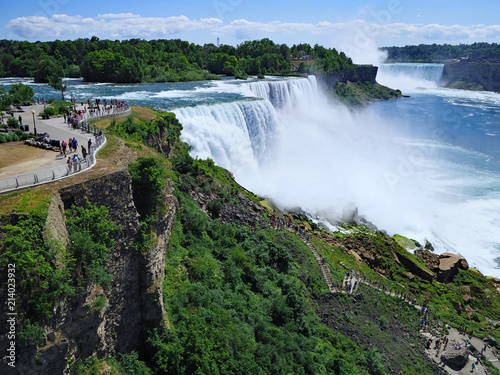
<point x="462" y="85"/>
<point x="359" y="93"/>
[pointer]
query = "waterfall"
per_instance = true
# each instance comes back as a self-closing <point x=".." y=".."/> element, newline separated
<point x="235" y="135"/>
<point x="283" y="94"/>
<point x="238" y="135"/>
<point x="410" y="76"/>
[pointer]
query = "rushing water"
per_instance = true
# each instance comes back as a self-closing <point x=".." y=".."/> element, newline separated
<point x="427" y="166"/>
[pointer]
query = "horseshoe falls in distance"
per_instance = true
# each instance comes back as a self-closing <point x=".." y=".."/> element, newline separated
<point x="426" y="166"/>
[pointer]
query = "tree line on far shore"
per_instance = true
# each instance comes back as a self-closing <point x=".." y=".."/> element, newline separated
<point x="436" y="53"/>
<point x="137" y="60"/>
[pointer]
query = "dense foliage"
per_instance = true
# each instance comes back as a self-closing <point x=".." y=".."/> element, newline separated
<point x="436" y="53"/>
<point x="237" y="302"/>
<point x="91" y="242"/>
<point x="138" y="60"/>
<point x="44" y="269"/>
<point x="41" y="282"/>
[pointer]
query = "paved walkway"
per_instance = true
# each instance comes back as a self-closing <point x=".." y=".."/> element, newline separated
<point x="55" y="169"/>
<point x="57" y="129"/>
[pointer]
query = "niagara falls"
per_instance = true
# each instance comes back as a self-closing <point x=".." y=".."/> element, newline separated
<point x="425" y="166"/>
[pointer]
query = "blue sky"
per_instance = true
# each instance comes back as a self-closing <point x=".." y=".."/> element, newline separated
<point x="354" y="26"/>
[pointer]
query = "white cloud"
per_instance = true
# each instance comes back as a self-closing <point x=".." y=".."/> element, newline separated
<point x="123" y="25"/>
<point x="430" y="31"/>
<point x="118" y="15"/>
<point x="128" y="25"/>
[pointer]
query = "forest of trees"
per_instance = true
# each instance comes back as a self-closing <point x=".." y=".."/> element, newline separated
<point x="137" y="60"/>
<point x="436" y="53"/>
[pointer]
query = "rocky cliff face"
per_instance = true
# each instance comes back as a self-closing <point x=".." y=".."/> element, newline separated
<point x="366" y="73"/>
<point x="133" y="303"/>
<point x="486" y="75"/>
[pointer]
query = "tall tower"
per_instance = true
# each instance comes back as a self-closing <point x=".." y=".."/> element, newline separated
<point x="218" y="44"/>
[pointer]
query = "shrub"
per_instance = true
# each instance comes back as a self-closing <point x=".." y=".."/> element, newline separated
<point x="41" y="280"/>
<point x="61" y="108"/>
<point x="31" y="332"/>
<point x="12" y="122"/>
<point x="47" y="112"/>
<point x="91" y="241"/>
<point x="215" y="206"/>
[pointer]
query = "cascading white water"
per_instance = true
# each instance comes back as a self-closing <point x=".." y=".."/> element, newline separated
<point x="407" y="77"/>
<point x="283" y="94"/>
<point x="236" y="135"/>
<point x="302" y="150"/>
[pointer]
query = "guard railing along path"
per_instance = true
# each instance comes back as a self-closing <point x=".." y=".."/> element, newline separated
<point x="39" y="177"/>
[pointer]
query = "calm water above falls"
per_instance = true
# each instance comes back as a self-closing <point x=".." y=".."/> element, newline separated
<point x="427" y="166"/>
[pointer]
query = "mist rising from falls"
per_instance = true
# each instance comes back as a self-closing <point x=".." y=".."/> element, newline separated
<point x="408" y="77"/>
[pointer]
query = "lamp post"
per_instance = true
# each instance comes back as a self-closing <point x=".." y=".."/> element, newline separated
<point x="34" y="122"/>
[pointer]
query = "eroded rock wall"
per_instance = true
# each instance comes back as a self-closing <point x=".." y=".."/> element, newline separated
<point x="486" y="75"/>
<point x="134" y="301"/>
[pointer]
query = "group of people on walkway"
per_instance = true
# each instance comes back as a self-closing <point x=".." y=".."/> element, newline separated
<point x="277" y="222"/>
<point x="94" y="109"/>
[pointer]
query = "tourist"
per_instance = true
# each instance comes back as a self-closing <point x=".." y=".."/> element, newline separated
<point x="84" y="152"/>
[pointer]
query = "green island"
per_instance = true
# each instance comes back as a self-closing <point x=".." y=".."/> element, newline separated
<point x="154" y="262"/>
<point x="136" y="60"/>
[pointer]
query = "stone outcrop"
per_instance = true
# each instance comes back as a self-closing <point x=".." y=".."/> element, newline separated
<point x="457" y="358"/>
<point x="415" y="268"/>
<point x="445" y="266"/>
<point x="361" y="73"/>
<point x="486" y="75"/>
<point x="238" y="210"/>
<point x="449" y="264"/>
<point x="133" y="304"/>
<point x="56" y="222"/>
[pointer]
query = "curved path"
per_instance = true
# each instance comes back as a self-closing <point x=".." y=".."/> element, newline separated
<point x="57" y="129"/>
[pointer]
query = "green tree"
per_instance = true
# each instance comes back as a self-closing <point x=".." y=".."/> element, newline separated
<point x="148" y="180"/>
<point x="46" y="69"/>
<point x="5" y="99"/>
<point x="56" y="82"/>
<point x="21" y="93"/>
